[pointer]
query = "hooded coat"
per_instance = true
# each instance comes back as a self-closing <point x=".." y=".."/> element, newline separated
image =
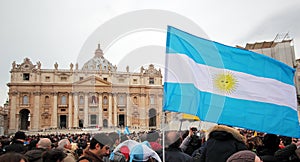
<point x="222" y="142"/>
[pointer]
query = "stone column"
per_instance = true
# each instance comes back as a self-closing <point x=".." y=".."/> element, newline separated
<point x="12" y="116"/>
<point x="100" y="118"/>
<point x="70" y="119"/>
<point x="36" y="109"/>
<point x="75" y="117"/>
<point x="86" y="110"/>
<point x="54" y="111"/>
<point x="115" y="111"/>
<point x="143" y="114"/>
<point x="109" y="110"/>
<point x="128" y="110"/>
<point x="159" y="112"/>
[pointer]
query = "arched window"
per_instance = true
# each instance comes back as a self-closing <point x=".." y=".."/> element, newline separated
<point x="135" y="100"/>
<point x="152" y="118"/>
<point x="47" y="99"/>
<point x="93" y="100"/>
<point x="25" y="100"/>
<point x="105" y="102"/>
<point x="63" y="100"/>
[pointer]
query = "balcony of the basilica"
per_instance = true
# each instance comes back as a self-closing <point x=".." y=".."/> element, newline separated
<point x="63" y="105"/>
<point x="93" y="104"/>
<point x="24" y="105"/>
<point x="121" y="105"/>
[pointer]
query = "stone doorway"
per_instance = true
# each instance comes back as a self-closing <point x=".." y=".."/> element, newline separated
<point x="24" y="119"/>
<point x="63" y="121"/>
<point x="121" y="120"/>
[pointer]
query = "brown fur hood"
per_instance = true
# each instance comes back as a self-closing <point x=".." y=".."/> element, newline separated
<point x="235" y="133"/>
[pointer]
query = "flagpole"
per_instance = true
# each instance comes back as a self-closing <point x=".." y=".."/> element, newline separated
<point x="163" y="134"/>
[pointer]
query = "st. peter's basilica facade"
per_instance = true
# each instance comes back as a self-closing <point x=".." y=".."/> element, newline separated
<point x="96" y="95"/>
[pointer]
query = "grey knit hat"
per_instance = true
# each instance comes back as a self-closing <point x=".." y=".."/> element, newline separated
<point x="242" y="156"/>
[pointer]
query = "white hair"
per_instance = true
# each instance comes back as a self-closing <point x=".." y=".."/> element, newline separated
<point x="44" y="143"/>
<point x="62" y="143"/>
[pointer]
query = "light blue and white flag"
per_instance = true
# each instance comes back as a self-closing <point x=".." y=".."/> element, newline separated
<point x="126" y="130"/>
<point x="228" y="85"/>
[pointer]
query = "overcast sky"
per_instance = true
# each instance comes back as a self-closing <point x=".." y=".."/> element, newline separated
<point x="52" y="31"/>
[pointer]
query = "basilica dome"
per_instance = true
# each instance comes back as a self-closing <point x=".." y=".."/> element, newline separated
<point x="98" y="62"/>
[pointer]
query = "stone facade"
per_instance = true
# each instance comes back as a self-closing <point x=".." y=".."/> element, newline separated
<point x="4" y="119"/>
<point x="97" y="95"/>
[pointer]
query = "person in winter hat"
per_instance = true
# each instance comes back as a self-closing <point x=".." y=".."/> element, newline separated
<point x="244" y="156"/>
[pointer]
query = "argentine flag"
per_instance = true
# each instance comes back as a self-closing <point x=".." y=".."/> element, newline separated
<point x="228" y="85"/>
<point x="126" y="131"/>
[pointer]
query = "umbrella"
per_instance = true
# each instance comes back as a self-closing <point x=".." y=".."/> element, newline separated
<point x="129" y="143"/>
<point x="142" y="152"/>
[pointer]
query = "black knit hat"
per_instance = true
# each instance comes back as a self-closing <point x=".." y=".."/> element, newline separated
<point x="20" y="135"/>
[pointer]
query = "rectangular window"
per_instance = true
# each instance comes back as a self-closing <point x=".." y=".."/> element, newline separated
<point x="81" y="100"/>
<point x="121" y="100"/>
<point x="93" y="119"/>
<point x="63" y="79"/>
<point x="26" y="76"/>
<point x="134" y="81"/>
<point x="121" y="80"/>
<point x="151" y="80"/>
<point x="80" y="78"/>
<point x="63" y="100"/>
<point x="152" y="100"/>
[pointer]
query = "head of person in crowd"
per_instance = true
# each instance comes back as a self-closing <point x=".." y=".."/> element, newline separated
<point x="44" y="143"/>
<point x="244" y="156"/>
<point x="35" y="155"/>
<point x="123" y="138"/>
<point x="172" y="139"/>
<point x="101" y="144"/>
<point x="17" y="144"/>
<point x="152" y="136"/>
<point x="20" y="136"/>
<point x="154" y="139"/>
<point x="64" y="144"/>
<point x="13" y="157"/>
<point x="271" y="142"/>
<point x="54" y="155"/>
<point x="115" y="138"/>
<point x="254" y="142"/>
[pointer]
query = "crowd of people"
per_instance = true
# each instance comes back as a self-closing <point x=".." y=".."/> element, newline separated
<point x="219" y="144"/>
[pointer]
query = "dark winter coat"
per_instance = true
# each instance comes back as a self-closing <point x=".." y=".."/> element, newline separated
<point x="287" y="154"/>
<point x="35" y="155"/>
<point x="222" y="142"/>
<point x="89" y="156"/>
<point x="176" y="155"/>
<point x="16" y="146"/>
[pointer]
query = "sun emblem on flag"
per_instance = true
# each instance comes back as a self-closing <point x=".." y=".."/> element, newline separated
<point x="225" y="82"/>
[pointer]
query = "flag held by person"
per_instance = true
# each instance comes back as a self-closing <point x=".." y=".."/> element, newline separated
<point x="228" y="85"/>
<point x="126" y="131"/>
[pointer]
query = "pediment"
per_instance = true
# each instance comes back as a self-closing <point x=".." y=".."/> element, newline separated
<point x="92" y="80"/>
